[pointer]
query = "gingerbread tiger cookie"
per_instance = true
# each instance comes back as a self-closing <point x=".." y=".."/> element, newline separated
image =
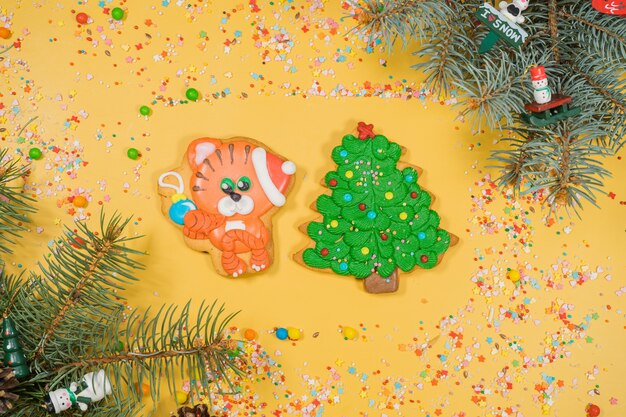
<point x="376" y="220"/>
<point x="236" y="186"/>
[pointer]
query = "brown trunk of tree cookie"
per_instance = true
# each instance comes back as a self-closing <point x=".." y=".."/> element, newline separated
<point x="376" y="284"/>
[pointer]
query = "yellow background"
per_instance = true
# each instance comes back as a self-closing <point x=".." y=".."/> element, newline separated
<point x="304" y="130"/>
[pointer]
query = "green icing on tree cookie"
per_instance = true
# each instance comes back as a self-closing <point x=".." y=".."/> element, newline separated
<point x="377" y="218"/>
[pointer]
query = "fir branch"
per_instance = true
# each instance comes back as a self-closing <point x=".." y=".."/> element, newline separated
<point x="15" y="206"/>
<point x="584" y="54"/>
<point x="168" y="343"/>
<point x="592" y="25"/>
<point x="78" y="290"/>
<point x="554" y="30"/>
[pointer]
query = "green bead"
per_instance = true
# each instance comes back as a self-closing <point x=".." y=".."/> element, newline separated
<point x="192" y="94"/>
<point x="117" y="13"/>
<point x="35" y="153"/>
<point x="133" y="153"/>
<point x="145" y="110"/>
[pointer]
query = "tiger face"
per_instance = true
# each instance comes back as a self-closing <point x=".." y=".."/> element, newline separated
<point x="236" y="179"/>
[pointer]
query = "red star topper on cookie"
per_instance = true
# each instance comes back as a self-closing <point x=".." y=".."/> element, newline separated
<point x="365" y="131"/>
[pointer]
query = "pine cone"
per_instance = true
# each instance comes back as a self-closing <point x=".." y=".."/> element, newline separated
<point x="199" y="410"/>
<point x="7" y="383"/>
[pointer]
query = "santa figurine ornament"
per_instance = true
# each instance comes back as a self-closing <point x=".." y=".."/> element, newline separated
<point x="93" y="387"/>
<point x="539" y="79"/>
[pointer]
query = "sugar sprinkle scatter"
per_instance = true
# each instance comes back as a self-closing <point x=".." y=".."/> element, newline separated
<point x="523" y="324"/>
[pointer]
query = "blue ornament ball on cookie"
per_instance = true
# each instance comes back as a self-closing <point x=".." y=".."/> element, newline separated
<point x="179" y="209"/>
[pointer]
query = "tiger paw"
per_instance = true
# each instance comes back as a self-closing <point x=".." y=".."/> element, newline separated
<point x="225" y="193"/>
<point x="233" y="265"/>
<point x="259" y="260"/>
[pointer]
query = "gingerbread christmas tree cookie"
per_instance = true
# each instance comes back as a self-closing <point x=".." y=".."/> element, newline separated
<point x="235" y="187"/>
<point x="376" y="221"/>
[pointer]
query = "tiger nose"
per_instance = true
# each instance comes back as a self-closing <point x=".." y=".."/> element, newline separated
<point x="235" y="196"/>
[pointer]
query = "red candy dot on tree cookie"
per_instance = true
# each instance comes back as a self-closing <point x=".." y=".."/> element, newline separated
<point x="413" y="194"/>
<point x="332" y="183"/>
<point x="383" y="236"/>
<point x="362" y="207"/>
<point x="324" y="252"/>
<point x="424" y="258"/>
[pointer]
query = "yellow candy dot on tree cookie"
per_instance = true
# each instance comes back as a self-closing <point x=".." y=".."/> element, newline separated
<point x="388" y="195"/>
<point x="334" y="223"/>
<point x="293" y="333"/>
<point x="365" y="251"/>
<point x="349" y="174"/>
<point x="178" y="197"/>
<point x="403" y="216"/>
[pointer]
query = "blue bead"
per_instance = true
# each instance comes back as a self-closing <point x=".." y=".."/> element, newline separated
<point x="282" y="333"/>
<point x="179" y="209"/>
<point x="343" y="153"/>
<point x="347" y="197"/>
<point x="408" y="178"/>
<point x="371" y="214"/>
<point x="343" y="266"/>
<point x="421" y="235"/>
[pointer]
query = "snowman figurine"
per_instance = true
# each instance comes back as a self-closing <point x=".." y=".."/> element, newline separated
<point x="93" y="387"/>
<point x="539" y="79"/>
<point x="513" y="10"/>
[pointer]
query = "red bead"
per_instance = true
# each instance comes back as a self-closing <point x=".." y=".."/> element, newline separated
<point x="592" y="410"/>
<point x="362" y="207"/>
<point x="383" y="236"/>
<point x="413" y="194"/>
<point x="82" y="18"/>
<point x="424" y="259"/>
<point x="324" y="252"/>
<point x="332" y="183"/>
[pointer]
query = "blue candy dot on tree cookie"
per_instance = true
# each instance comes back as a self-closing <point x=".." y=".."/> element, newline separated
<point x="371" y="214"/>
<point x="343" y="266"/>
<point x="421" y="235"/>
<point x="347" y="197"/>
<point x="343" y="153"/>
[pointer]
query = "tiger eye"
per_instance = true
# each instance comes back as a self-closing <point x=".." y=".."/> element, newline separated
<point x="227" y="185"/>
<point x="244" y="184"/>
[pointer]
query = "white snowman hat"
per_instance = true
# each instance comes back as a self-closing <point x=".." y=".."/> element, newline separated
<point x="273" y="173"/>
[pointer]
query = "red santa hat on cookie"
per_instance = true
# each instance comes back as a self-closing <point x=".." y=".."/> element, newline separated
<point x="273" y="173"/>
<point x="538" y="73"/>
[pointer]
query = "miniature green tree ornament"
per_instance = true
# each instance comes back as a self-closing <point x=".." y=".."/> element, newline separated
<point x="377" y="218"/>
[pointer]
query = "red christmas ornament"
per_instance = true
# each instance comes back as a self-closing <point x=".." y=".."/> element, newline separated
<point x="592" y="410"/>
<point x="82" y="18"/>
<point x="614" y="7"/>
<point x="383" y="236"/>
<point x="365" y="131"/>
<point x="332" y="183"/>
<point x="362" y="207"/>
<point x="413" y="194"/>
<point x="424" y="259"/>
<point x="324" y="252"/>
